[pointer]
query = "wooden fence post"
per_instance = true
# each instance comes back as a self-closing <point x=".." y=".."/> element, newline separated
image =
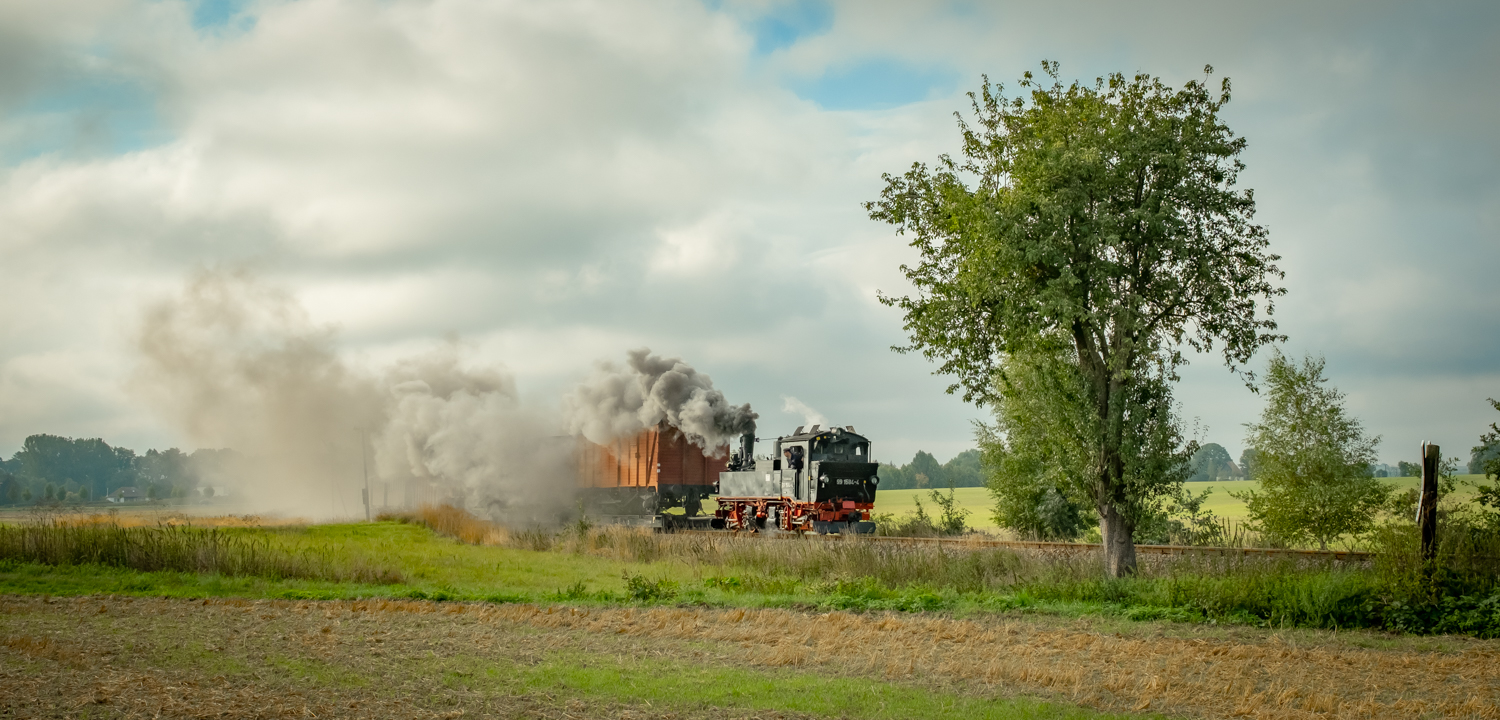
<point x="1427" y="505"/>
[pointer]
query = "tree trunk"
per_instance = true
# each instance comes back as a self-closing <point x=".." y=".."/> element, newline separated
<point x="1119" y="543"/>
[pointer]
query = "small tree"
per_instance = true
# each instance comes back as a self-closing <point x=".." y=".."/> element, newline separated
<point x="1249" y="459"/>
<point x="1314" y="467"/>
<point x="1488" y="451"/>
<point x="1040" y="447"/>
<point x="954" y="519"/>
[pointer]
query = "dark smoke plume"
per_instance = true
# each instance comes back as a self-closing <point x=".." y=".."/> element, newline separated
<point x="622" y="401"/>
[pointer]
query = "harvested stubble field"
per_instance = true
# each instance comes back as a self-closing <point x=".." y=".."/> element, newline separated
<point x="136" y="657"/>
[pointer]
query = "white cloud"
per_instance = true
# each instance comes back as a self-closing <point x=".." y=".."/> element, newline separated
<point x="559" y="181"/>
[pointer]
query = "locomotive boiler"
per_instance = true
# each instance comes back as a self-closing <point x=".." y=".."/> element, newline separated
<point x="822" y="481"/>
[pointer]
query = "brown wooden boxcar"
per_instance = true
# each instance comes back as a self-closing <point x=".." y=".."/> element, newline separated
<point x="648" y="473"/>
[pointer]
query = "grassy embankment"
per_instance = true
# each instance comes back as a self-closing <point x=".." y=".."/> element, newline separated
<point x="472" y="560"/>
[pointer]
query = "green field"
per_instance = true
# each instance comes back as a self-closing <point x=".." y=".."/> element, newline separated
<point x="1220" y="502"/>
<point x="976" y="500"/>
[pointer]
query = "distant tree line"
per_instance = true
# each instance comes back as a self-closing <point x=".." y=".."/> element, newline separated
<point x="924" y="471"/>
<point x="50" y="469"/>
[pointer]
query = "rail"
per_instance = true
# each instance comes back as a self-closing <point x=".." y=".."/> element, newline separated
<point x="970" y="541"/>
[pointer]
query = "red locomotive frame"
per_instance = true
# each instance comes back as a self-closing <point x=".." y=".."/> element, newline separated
<point x="756" y="513"/>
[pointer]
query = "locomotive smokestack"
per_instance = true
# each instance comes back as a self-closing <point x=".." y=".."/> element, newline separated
<point x="747" y="450"/>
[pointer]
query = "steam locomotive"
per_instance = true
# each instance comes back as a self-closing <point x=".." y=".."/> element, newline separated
<point x="819" y="481"/>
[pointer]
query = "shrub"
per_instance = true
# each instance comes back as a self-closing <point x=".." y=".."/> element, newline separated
<point x="639" y="587"/>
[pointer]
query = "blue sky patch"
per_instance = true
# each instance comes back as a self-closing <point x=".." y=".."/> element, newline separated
<point x="220" y="15"/>
<point x="84" y="117"/>
<point x="876" y="84"/>
<point x="785" y="24"/>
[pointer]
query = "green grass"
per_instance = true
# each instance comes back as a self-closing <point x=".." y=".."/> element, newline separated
<point x="667" y="683"/>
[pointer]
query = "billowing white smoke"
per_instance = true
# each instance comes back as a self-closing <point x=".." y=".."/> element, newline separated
<point x="238" y="365"/>
<point x="464" y="432"/>
<point x="619" y="402"/>
<point x="810" y="417"/>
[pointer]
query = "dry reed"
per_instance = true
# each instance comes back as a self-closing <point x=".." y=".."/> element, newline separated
<point x="179" y="548"/>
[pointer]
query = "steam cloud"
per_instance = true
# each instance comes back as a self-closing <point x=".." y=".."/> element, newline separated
<point x="237" y="364"/>
<point x="622" y="401"/>
<point x="810" y="416"/>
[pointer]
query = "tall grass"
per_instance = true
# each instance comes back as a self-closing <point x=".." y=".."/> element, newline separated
<point x="181" y="549"/>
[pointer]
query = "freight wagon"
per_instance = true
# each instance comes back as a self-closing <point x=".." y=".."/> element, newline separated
<point x="634" y="480"/>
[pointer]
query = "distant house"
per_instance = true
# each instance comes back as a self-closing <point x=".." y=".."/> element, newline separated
<point x="126" y="495"/>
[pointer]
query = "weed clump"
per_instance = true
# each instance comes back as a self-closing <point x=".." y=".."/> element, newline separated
<point x="644" y="589"/>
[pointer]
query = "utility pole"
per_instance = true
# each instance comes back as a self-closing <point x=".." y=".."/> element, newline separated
<point x="364" y="460"/>
<point x="1427" y="504"/>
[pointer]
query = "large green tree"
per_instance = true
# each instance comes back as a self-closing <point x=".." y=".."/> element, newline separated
<point x="1104" y="214"/>
<point x="1314" y="466"/>
<point x="1211" y="461"/>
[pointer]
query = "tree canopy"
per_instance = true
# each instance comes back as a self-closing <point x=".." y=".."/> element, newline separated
<point x="1488" y="450"/>
<point x="963" y="470"/>
<point x="1249" y="459"/>
<point x="1484" y="458"/>
<point x="90" y="469"/>
<point x="1100" y="216"/>
<point x="1314" y="466"/>
<point x="1211" y="461"/>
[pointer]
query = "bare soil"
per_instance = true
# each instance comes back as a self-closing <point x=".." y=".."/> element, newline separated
<point x="108" y="657"/>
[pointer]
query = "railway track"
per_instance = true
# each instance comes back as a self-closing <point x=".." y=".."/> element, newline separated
<point x="1064" y="547"/>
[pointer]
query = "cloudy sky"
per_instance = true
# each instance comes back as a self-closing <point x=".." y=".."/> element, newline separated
<point x="552" y="183"/>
